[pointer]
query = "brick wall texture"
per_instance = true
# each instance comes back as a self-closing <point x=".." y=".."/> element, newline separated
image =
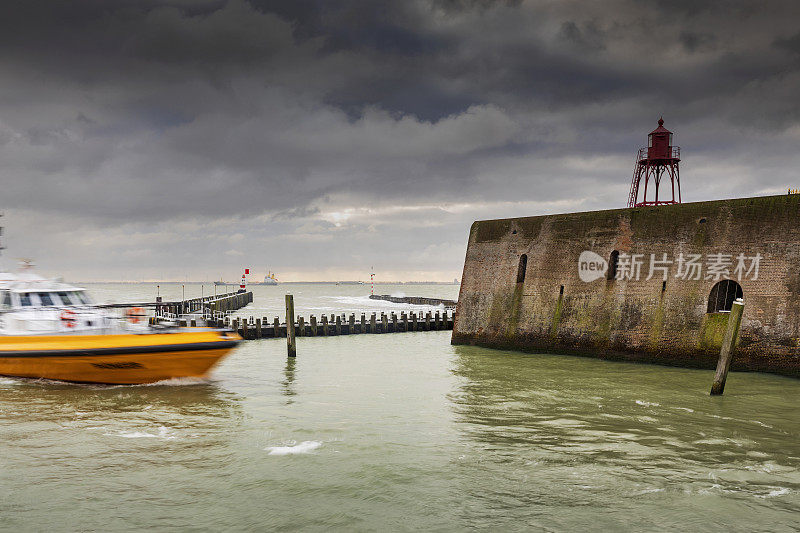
<point x="631" y="317"/>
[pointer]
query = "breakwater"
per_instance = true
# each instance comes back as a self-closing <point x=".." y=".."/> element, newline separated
<point x="340" y="324"/>
<point x="414" y="300"/>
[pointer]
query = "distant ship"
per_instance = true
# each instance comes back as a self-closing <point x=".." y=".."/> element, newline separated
<point x="269" y="279"/>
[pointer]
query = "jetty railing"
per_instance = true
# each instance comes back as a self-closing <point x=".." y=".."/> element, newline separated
<point x="215" y="306"/>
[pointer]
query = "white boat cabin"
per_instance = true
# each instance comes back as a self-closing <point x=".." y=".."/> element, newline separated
<point x="33" y="305"/>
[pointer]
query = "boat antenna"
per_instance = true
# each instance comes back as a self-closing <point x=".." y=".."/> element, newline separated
<point x="1" y="244"/>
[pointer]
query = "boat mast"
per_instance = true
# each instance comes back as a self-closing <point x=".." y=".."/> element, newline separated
<point x="1" y="245"/>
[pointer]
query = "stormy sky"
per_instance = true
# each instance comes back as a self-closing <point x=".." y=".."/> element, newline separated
<point x="186" y="139"/>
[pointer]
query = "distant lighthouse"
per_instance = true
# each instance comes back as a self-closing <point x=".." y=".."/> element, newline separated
<point x="655" y="162"/>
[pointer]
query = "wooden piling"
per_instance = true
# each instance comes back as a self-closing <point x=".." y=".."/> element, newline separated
<point x="313" y="320"/>
<point x="428" y="321"/>
<point x="404" y="316"/>
<point x="324" y="328"/>
<point x="338" y="325"/>
<point x="414" y="325"/>
<point x="394" y="322"/>
<point x="351" y="324"/>
<point x="728" y="345"/>
<point x="437" y="323"/>
<point x="258" y="328"/>
<point x="362" y="328"/>
<point x="301" y="327"/>
<point x="244" y="329"/>
<point x="291" y="344"/>
<point x="372" y="324"/>
<point x="384" y="323"/>
<point x="276" y="327"/>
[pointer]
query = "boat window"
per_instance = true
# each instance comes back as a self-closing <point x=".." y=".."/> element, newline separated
<point x="25" y="299"/>
<point x="6" y="299"/>
<point x="79" y="296"/>
<point x="45" y="298"/>
<point x="65" y="299"/>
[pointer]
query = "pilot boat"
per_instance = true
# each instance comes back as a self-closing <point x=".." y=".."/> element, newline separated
<point x="52" y="330"/>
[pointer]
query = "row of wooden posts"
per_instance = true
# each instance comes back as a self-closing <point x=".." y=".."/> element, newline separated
<point x="263" y="328"/>
<point x="429" y="323"/>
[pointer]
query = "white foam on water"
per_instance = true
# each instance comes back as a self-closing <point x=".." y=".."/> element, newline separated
<point x="648" y="404"/>
<point x="307" y="446"/>
<point x="163" y="433"/>
<point x="777" y="492"/>
<point x="8" y="381"/>
<point x="176" y="382"/>
<point x="649" y="491"/>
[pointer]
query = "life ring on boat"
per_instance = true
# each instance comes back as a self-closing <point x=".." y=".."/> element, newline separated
<point x="68" y="318"/>
<point x="133" y="314"/>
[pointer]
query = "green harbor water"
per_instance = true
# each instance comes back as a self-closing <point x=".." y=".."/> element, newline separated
<point x="400" y="432"/>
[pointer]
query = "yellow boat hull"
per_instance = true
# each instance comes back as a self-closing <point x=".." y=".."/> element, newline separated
<point x="115" y="359"/>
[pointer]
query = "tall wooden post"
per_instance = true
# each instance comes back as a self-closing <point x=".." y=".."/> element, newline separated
<point x="372" y="328"/>
<point x="313" y="325"/>
<point x="291" y="343"/>
<point x="324" y="330"/>
<point x="351" y="323"/>
<point x="384" y="323"/>
<point x="728" y="345"/>
<point x="338" y="325"/>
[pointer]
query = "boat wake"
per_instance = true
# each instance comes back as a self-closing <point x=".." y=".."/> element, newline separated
<point x="176" y="382"/>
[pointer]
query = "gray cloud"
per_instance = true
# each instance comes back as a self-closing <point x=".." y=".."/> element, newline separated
<point x="317" y="130"/>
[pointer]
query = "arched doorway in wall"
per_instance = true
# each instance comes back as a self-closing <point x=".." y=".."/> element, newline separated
<point x="523" y="267"/>
<point x="613" y="260"/>
<point x="722" y="295"/>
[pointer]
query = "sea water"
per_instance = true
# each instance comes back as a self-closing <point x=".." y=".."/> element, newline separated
<point x="398" y="432"/>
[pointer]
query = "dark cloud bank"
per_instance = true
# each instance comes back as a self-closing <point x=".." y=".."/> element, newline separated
<point x="147" y="139"/>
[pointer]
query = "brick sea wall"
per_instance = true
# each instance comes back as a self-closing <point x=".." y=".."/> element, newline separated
<point x="554" y="310"/>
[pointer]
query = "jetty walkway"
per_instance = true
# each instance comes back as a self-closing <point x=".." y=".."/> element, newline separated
<point x="215" y="306"/>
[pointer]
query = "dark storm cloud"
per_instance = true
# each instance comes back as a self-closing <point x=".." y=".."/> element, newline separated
<point x="310" y="116"/>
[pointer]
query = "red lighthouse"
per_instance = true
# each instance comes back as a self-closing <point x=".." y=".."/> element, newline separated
<point x="660" y="159"/>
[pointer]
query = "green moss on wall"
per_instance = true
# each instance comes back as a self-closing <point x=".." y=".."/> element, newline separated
<point x="713" y="331"/>
<point x="557" y="316"/>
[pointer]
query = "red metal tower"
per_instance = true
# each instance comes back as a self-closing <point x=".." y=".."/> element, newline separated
<point x="657" y="160"/>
